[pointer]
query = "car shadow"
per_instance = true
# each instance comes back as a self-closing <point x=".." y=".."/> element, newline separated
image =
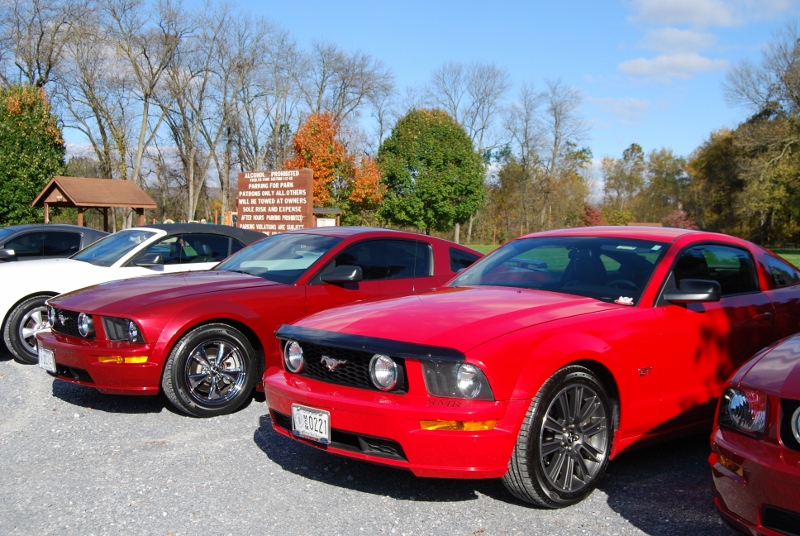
<point x="665" y="489"/>
<point x="89" y="398"/>
<point x="662" y="490"/>
<point x="309" y="462"/>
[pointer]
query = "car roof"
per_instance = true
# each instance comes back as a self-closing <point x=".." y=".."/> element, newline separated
<point x="52" y="226"/>
<point x="644" y="232"/>
<point x="245" y="235"/>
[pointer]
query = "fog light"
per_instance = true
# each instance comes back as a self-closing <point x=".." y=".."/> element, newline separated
<point x="85" y="325"/>
<point x="293" y="356"/>
<point x="383" y="371"/>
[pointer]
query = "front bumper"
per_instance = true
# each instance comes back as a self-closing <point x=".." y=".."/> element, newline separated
<point x="756" y="484"/>
<point x="385" y="428"/>
<point x="78" y="362"/>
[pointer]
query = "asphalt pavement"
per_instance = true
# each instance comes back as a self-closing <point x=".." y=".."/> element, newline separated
<point x="78" y="462"/>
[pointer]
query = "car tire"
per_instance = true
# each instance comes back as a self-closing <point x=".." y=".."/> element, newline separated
<point x="24" y="320"/>
<point x="561" y="452"/>
<point x="211" y="371"/>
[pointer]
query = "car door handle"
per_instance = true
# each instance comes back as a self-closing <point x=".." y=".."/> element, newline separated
<point x="762" y="316"/>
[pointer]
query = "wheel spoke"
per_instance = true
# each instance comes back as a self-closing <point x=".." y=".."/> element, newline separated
<point x="575" y="406"/>
<point x="197" y="379"/>
<point x="201" y="358"/>
<point x="232" y="376"/>
<point x="222" y="354"/>
<point x="550" y="447"/>
<point x="589" y="452"/>
<point x="597" y="426"/>
<point x="556" y="463"/>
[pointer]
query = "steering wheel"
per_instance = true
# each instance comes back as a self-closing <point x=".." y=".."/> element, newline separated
<point x="624" y="284"/>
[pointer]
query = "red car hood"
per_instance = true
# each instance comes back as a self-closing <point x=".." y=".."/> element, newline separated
<point x="120" y="297"/>
<point x="459" y="318"/>
<point x="777" y="371"/>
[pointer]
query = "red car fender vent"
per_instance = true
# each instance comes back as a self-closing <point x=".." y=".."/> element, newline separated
<point x="782" y="521"/>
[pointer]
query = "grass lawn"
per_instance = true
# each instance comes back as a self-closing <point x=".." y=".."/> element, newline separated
<point x="791" y="255"/>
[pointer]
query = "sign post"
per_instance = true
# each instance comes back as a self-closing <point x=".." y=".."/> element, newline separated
<point x="273" y="202"/>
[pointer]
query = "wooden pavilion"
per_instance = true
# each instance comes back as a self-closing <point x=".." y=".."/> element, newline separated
<point x="100" y="194"/>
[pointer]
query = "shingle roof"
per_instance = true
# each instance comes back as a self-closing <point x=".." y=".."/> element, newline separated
<point x="85" y="192"/>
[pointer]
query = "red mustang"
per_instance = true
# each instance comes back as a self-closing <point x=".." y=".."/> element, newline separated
<point x="539" y="363"/>
<point x="204" y="338"/>
<point x="755" y="459"/>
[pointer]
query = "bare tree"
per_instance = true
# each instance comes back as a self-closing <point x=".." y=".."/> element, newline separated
<point x="33" y="35"/>
<point x="341" y="83"/>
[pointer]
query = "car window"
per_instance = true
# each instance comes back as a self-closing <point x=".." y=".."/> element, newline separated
<point x="61" y="243"/>
<point x="461" y="259"/>
<point x="282" y="258"/>
<point x="27" y="244"/>
<point x="388" y="259"/>
<point x="731" y="267"/>
<point x="113" y="247"/>
<point x="782" y="274"/>
<point x="193" y="248"/>
<point x="604" y="268"/>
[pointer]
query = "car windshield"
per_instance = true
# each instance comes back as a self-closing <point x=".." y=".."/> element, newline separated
<point x="282" y="258"/>
<point x="605" y="268"/>
<point x="110" y="249"/>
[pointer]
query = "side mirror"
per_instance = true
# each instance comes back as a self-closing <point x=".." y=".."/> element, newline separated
<point x="7" y="255"/>
<point x="344" y="273"/>
<point x="693" y="291"/>
<point x="149" y="259"/>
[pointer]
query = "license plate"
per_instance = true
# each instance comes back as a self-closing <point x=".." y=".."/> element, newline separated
<point x="310" y="423"/>
<point x="47" y="360"/>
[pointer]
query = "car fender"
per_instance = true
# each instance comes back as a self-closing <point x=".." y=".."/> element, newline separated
<point x="209" y="311"/>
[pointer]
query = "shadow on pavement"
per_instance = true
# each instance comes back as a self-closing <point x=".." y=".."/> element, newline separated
<point x="87" y="397"/>
<point x="314" y="464"/>
<point x="665" y="489"/>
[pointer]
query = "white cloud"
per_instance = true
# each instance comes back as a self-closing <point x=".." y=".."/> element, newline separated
<point x="669" y="66"/>
<point x="705" y="13"/>
<point x="628" y="110"/>
<point x="673" y="40"/>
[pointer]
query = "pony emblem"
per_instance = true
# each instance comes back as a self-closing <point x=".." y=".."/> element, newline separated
<point x="331" y="363"/>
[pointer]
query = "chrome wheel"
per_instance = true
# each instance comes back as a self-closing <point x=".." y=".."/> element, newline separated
<point x="215" y="372"/>
<point x="573" y="440"/>
<point x="32" y="322"/>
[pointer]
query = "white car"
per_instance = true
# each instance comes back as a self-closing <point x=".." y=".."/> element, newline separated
<point x="135" y="252"/>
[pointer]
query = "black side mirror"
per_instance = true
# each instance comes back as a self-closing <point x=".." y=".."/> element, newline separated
<point x="149" y="259"/>
<point x="344" y="273"/>
<point x="693" y="291"/>
<point x="7" y="255"/>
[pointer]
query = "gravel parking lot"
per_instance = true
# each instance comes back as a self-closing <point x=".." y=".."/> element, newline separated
<point x="77" y="462"/>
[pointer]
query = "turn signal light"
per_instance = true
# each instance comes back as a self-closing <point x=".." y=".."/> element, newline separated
<point x="118" y="359"/>
<point x="731" y="465"/>
<point x="464" y="426"/>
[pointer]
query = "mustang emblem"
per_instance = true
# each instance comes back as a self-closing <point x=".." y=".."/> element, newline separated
<point x="331" y="363"/>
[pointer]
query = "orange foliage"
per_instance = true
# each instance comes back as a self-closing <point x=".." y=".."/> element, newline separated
<point x="316" y="147"/>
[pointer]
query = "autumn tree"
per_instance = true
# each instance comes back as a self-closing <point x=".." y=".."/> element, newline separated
<point x="340" y="179"/>
<point x="31" y="152"/>
<point x="433" y="176"/>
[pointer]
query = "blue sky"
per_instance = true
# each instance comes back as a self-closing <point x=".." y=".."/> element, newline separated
<point x="650" y="71"/>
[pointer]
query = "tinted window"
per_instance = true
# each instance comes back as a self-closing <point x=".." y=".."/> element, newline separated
<point x="61" y="243"/>
<point x="388" y="259"/>
<point x="194" y="248"/>
<point x="27" y="244"/>
<point x="461" y="259"/>
<point x="782" y="274"/>
<point x="731" y="267"/>
<point x="110" y="249"/>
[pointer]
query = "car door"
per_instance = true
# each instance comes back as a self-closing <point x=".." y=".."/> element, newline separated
<point x="388" y="267"/>
<point x="702" y="343"/>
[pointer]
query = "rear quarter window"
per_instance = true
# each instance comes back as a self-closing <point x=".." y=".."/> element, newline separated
<point x="461" y="259"/>
<point x="782" y="274"/>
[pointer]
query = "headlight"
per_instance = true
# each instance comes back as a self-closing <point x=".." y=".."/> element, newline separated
<point x="293" y="356"/>
<point x="85" y="325"/>
<point x="122" y="329"/>
<point x="383" y="371"/>
<point x="744" y="410"/>
<point x="456" y="380"/>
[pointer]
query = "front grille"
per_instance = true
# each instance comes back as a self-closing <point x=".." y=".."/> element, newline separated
<point x="66" y="323"/>
<point x="353" y="370"/>
<point x="788" y="407"/>
<point x="782" y="521"/>
<point x="373" y="446"/>
<point x="73" y="373"/>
